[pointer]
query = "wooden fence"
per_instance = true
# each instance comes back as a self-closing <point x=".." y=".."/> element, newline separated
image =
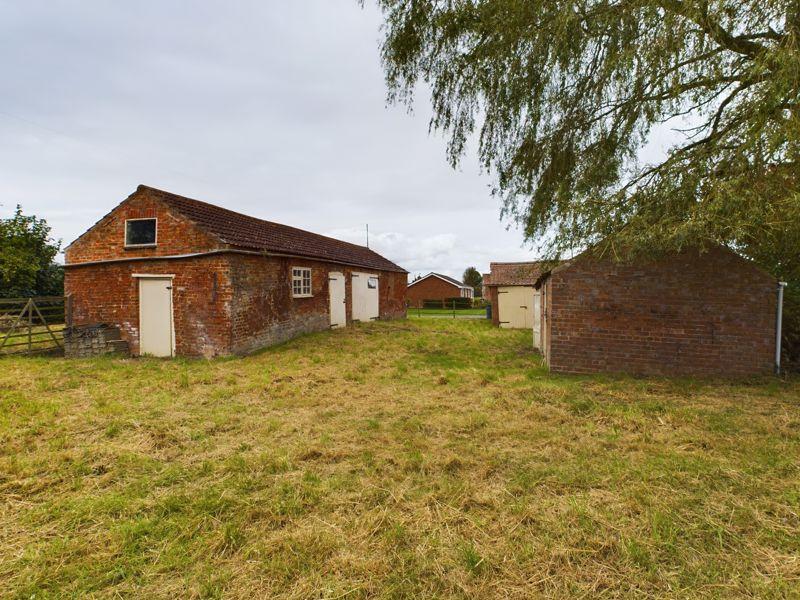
<point x="33" y="325"/>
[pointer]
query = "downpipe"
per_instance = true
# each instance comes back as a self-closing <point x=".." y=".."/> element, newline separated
<point x="779" y="327"/>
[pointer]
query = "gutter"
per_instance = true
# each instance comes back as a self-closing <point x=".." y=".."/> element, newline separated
<point x="223" y="251"/>
<point x="779" y="327"/>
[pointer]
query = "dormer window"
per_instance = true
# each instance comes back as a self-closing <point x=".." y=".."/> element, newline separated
<point x="140" y="233"/>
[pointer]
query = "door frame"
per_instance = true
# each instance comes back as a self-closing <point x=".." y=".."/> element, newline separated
<point x="171" y="278"/>
<point x="343" y="278"/>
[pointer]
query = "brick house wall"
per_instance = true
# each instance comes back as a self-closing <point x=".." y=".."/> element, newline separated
<point x="225" y="301"/>
<point x="265" y="313"/>
<point x="688" y="314"/>
<point x="201" y="291"/>
<point x="431" y="288"/>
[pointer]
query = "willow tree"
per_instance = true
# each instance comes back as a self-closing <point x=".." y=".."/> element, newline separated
<point x="561" y="96"/>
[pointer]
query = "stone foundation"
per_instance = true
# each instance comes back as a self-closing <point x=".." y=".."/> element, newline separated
<point x="86" y="341"/>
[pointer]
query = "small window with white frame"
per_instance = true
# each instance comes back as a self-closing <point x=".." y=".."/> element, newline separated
<point x="140" y="233"/>
<point x="301" y="282"/>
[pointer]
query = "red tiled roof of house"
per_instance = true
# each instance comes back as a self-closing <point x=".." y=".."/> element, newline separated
<point x="517" y="273"/>
<point x="251" y="233"/>
<point x="446" y="278"/>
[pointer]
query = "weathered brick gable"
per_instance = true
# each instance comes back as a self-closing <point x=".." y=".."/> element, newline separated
<point x="106" y="239"/>
<point x="692" y="314"/>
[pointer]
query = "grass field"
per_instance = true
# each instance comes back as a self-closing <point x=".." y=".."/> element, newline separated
<point x="427" y="458"/>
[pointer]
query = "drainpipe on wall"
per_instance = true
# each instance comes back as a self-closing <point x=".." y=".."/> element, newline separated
<point x="778" y="327"/>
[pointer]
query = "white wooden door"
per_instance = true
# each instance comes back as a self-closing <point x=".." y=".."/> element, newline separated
<point x="515" y="305"/>
<point x="537" y="319"/>
<point x="156" y="334"/>
<point x="337" y="299"/>
<point x="365" y="297"/>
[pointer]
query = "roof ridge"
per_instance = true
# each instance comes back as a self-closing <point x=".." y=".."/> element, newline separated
<point x="246" y="216"/>
<point x="245" y="231"/>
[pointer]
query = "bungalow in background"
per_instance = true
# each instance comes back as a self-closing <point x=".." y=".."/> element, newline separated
<point x="435" y="286"/>
<point x="509" y="288"/>
<point x="689" y="313"/>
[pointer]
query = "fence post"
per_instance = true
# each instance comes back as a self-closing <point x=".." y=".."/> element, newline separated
<point x="30" y="324"/>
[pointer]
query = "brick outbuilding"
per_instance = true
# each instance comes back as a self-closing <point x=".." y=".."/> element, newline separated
<point x="691" y="313"/>
<point x="435" y="286"/>
<point x="182" y="277"/>
<point x="509" y="288"/>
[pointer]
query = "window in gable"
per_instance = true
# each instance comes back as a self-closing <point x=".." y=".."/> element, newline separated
<point x="140" y="232"/>
<point x="301" y="282"/>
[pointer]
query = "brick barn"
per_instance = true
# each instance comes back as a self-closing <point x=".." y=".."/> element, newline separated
<point x="509" y="289"/>
<point x="183" y="277"/>
<point x="692" y="313"/>
<point x="435" y="286"/>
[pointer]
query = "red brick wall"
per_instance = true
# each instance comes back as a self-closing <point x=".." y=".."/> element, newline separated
<point x="265" y="313"/>
<point x="201" y="291"/>
<point x="431" y="288"/>
<point x="222" y="304"/>
<point x="106" y="240"/>
<point x="690" y="314"/>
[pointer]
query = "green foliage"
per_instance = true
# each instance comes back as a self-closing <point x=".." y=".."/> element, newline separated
<point x="562" y="95"/>
<point x="473" y="278"/>
<point x="26" y="258"/>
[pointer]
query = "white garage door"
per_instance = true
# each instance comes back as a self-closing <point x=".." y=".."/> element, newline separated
<point x="515" y="307"/>
<point x="365" y="297"/>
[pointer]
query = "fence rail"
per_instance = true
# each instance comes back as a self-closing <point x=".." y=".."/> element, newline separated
<point x="33" y="325"/>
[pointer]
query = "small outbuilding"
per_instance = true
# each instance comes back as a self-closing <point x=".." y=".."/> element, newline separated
<point x="178" y="276"/>
<point x="435" y="286"/>
<point x="510" y="290"/>
<point x="689" y="313"/>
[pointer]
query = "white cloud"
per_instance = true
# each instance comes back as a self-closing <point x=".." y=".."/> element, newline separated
<point x="271" y="108"/>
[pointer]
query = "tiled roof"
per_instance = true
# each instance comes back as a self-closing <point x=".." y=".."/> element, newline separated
<point x="251" y="233"/>
<point x="455" y="282"/>
<point x="518" y="273"/>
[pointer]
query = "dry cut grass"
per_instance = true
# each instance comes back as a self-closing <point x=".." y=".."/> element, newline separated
<point x="425" y="459"/>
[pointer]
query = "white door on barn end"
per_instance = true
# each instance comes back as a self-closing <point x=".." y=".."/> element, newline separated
<point x="156" y="332"/>
<point x="537" y="319"/>
<point x="337" y="299"/>
<point x="515" y="304"/>
<point x="365" y="297"/>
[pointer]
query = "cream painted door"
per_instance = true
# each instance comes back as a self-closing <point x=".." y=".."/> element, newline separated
<point x="337" y="299"/>
<point x="537" y="319"/>
<point x="156" y="334"/>
<point x="516" y="307"/>
<point x="365" y="297"/>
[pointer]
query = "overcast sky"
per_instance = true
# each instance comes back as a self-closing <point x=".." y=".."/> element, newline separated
<point x="274" y="108"/>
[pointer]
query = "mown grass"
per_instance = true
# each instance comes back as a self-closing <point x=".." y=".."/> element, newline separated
<point x="409" y="459"/>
